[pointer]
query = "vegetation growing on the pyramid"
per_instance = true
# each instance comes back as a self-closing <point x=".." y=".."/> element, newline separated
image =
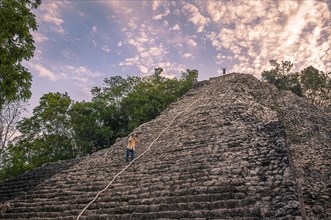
<point x="310" y="82"/>
<point x="63" y="129"/>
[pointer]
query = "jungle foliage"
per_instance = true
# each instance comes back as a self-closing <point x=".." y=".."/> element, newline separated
<point x="61" y="128"/>
<point x="16" y="45"/>
<point x="310" y="82"/>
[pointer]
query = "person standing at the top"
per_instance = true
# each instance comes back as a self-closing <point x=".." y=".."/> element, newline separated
<point x="131" y="146"/>
<point x="224" y="70"/>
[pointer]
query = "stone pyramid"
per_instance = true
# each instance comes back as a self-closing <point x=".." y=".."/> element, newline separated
<point x="231" y="148"/>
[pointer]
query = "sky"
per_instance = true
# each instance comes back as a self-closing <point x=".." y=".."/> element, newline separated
<point x="79" y="43"/>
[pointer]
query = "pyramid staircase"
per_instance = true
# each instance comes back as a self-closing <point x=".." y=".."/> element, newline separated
<point x="224" y="156"/>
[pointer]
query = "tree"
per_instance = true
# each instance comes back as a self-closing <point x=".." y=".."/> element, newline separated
<point x="312" y="83"/>
<point x="142" y="104"/>
<point x="153" y="94"/>
<point x="282" y="77"/>
<point x="47" y="135"/>
<point x="9" y="117"/>
<point x="109" y="100"/>
<point x="16" y="45"/>
<point x="90" y="132"/>
<point x="316" y="85"/>
<point x="114" y="89"/>
<point x="188" y="79"/>
<point x="14" y="161"/>
<point x="158" y="71"/>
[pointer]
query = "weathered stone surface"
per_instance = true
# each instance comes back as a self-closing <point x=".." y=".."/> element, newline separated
<point x="239" y="149"/>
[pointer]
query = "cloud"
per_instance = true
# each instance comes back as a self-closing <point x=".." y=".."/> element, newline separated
<point x="94" y="29"/>
<point x="143" y="69"/>
<point x="190" y="42"/>
<point x="161" y="16"/>
<point x="176" y="28"/>
<point x="143" y="38"/>
<point x="85" y="87"/>
<point x="146" y="40"/>
<point x="146" y="46"/>
<point x="81" y="70"/>
<point x="158" y="17"/>
<point x="130" y="61"/>
<point x="245" y="35"/>
<point x="82" y="77"/>
<point x="296" y="23"/>
<point x="37" y="55"/>
<point x="38" y="37"/>
<point x="67" y="53"/>
<point x="171" y="69"/>
<point x="49" y="13"/>
<point x="252" y="37"/>
<point x="119" y="7"/>
<point x="43" y="71"/>
<point x="165" y="23"/>
<point x="94" y="43"/>
<point x="105" y="48"/>
<point x="132" y="23"/>
<point x="156" y="51"/>
<point x="195" y="16"/>
<point x="156" y="5"/>
<point x="81" y="80"/>
<point x="51" y="19"/>
<point x="162" y="10"/>
<point x="186" y="55"/>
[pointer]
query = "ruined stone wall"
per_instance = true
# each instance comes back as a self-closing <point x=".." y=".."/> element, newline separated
<point x="308" y="139"/>
<point x="308" y="132"/>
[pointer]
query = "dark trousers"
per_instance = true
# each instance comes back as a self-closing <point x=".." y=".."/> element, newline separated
<point x="131" y="152"/>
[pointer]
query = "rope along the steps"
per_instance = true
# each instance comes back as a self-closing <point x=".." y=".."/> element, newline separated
<point x="202" y="97"/>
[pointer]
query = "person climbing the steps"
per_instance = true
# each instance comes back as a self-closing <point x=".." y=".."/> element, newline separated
<point x="131" y="146"/>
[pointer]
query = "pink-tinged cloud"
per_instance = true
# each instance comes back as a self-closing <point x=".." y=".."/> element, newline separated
<point x="43" y="72"/>
<point x="38" y="37"/>
<point x="195" y="16"/>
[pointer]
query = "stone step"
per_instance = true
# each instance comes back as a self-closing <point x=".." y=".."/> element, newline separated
<point x="147" y="198"/>
<point x="31" y="215"/>
<point x="226" y="197"/>
<point x="236" y="213"/>
<point x="124" y="207"/>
